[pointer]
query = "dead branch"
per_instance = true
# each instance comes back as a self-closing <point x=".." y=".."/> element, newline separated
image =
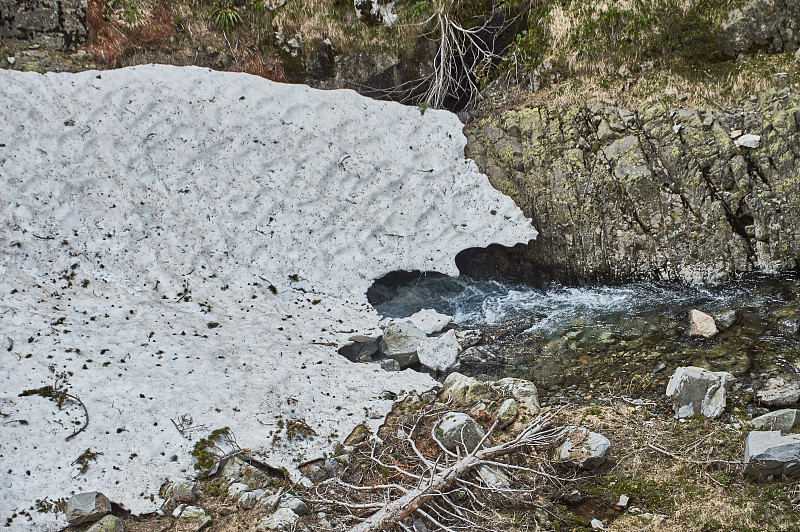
<point x="429" y="498"/>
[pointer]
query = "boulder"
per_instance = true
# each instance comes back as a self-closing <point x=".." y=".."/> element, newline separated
<point x="180" y="491"/>
<point x="702" y="324"/>
<point x="696" y="391"/>
<point x="110" y="523"/>
<point x="583" y="448"/>
<point x="54" y="24"/>
<point x="769" y="453"/>
<point x="524" y="391"/>
<point x="782" y="420"/>
<point x="457" y="429"/>
<point x="282" y="519"/>
<point x="249" y="499"/>
<point x="725" y="319"/>
<point x="295" y="504"/>
<point x="439" y="353"/>
<point x="507" y="413"/>
<point x="429" y="321"/>
<point x="236" y="490"/>
<point x="400" y="341"/>
<point x="462" y="389"/>
<point x="87" y="507"/>
<point x="195" y="518"/>
<point x="779" y="391"/>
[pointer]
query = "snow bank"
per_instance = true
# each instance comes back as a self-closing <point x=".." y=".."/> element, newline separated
<point x="188" y="244"/>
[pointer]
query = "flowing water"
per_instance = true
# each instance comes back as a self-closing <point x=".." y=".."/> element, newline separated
<point x="631" y="336"/>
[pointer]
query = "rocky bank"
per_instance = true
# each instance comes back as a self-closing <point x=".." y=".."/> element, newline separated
<point x="655" y="192"/>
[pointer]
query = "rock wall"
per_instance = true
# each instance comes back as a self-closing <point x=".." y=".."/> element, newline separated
<point x="672" y="194"/>
<point x="55" y="24"/>
<point x="771" y="26"/>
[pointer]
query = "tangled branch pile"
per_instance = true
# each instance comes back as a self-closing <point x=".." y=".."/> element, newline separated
<point x="414" y="474"/>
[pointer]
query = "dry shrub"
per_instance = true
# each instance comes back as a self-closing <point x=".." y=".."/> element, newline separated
<point x="112" y="41"/>
<point x="255" y="63"/>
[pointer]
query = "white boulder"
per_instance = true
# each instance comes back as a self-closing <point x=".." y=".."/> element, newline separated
<point x="702" y="324"/>
<point x="769" y="453"/>
<point x="583" y="448"/>
<point x="439" y="352"/>
<point x="696" y="391"/>
<point x="429" y="321"/>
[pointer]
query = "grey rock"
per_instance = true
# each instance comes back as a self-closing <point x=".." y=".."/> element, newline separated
<point x="524" y="391"/>
<point x="457" y="429"/>
<point x="360" y="351"/>
<point x="109" y="523"/>
<point x="376" y="11"/>
<point x="249" y="499"/>
<point x="236" y="489"/>
<point x="400" y="341"/>
<point x="195" y="518"/>
<point x="779" y="391"/>
<point x="583" y="448"/>
<point x="763" y="26"/>
<point x="180" y="491"/>
<point x="283" y="519"/>
<point x="769" y="453"/>
<point x="725" y="320"/>
<point x="597" y="524"/>
<point x="295" y="504"/>
<point x="493" y="476"/>
<point x="390" y="364"/>
<point x="647" y="234"/>
<point x="749" y="141"/>
<point x="468" y="338"/>
<point x="462" y="389"/>
<point x="439" y="353"/>
<point x="781" y="420"/>
<point x="695" y="391"/>
<point x="419" y="525"/>
<point x="87" y="507"/>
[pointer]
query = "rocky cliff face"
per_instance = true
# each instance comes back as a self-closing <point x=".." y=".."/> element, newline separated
<point x="672" y="194"/>
<point x="55" y="24"/>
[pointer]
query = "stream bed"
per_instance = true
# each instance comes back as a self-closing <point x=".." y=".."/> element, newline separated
<point x="629" y="337"/>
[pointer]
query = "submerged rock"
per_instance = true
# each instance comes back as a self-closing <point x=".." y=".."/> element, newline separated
<point x="696" y="391"/>
<point x="769" y="453"/>
<point x="583" y="448"/>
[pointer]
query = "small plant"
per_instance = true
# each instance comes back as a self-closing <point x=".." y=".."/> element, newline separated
<point x="84" y="459"/>
<point x="225" y="16"/>
<point x="211" y="450"/>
